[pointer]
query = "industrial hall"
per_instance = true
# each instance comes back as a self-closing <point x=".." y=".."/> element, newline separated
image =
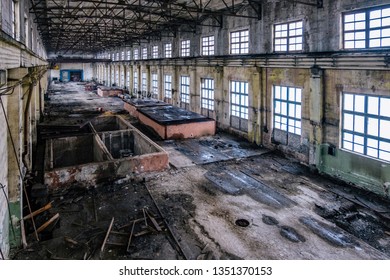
<point x="195" y="130"/>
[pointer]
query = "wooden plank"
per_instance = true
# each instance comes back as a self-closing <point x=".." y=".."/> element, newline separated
<point x="39" y="211"/>
<point x="153" y="221"/>
<point x="131" y="236"/>
<point x="131" y="223"/>
<point x="45" y="225"/>
<point x="107" y="234"/>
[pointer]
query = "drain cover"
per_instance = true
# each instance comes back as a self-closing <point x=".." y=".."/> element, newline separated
<point x="242" y="223"/>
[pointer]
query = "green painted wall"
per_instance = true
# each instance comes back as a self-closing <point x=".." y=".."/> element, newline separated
<point x="15" y="240"/>
<point x="362" y="171"/>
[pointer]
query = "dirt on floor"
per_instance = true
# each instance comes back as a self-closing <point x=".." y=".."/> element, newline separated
<point x="221" y="198"/>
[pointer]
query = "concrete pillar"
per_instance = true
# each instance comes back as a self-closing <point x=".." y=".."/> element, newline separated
<point x="194" y="91"/>
<point x="316" y="115"/>
<point x="15" y="148"/>
<point x="4" y="220"/>
<point x="255" y="99"/>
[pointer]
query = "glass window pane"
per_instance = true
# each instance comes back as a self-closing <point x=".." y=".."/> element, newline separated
<point x="375" y="43"/>
<point x="372" y="128"/>
<point x="385" y="22"/>
<point x="348" y="137"/>
<point x="359" y="140"/>
<point x="359" y="103"/>
<point x="373" y="105"/>
<point x="284" y="108"/>
<point x="349" y="26"/>
<point x="284" y="93"/>
<point x="349" y="18"/>
<point x="385" y="107"/>
<point x="291" y="110"/>
<point x="348" y="102"/>
<point x="360" y="44"/>
<point x="385" y="129"/>
<point x="359" y="124"/>
<point x="384" y="155"/>
<point x="298" y="111"/>
<point x="348" y="122"/>
<point x="360" y="16"/>
<point x="358" y="149"/>
<point x="372" y="143"/>
<point x="347" y="145"/>
<point x="372" y="152"/>
<point x="384" y="146"/>
<point x="375" y="23"/>
<point x="298" y="97"/>
<point x="375" y="14"/>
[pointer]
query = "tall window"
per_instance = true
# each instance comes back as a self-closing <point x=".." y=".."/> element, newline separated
<point x="122" y="81"/>
<point x="168" y="50"/>
<point x="135" y="84"/>
<point x="13" y="15"/>
<point x="287" y="109"/>
<point x="207" y="93"/>
<point x="117" y="56"/>
<point x="185" y="89"/>
<point x="136" y="54"/>
<point x="144" y="53"/>
<point x="128" y="79"/>
<point x="208" y="45"/>
<point x="144" y="83"/>
<point x="239" y="99"/>
<point x="128" y="55"/>
<point x="168" y="86"/>
<point x="185" y="48"/>
<point x="117" y="77"/>
<point x="123" y="55"/>
<point x="154" y="85"/>
<point x="366" y="125"/>
<point x="368" y="28"/>
<point x="288" y="36"/>
<point x="155" y="52"/>
<point x="239" y="42"/>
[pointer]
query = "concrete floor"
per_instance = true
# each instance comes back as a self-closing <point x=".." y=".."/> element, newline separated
<point x="221" y="198"/>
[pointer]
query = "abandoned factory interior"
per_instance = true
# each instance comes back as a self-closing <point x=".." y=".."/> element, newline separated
<point x="195" y="130"/>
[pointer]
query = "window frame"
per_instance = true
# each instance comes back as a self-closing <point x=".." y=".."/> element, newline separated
<point x="155" y="85"/>
<point x="208" y="49"/>
<point x="168" y="86"/>
<point x="168" y="50"/>
<point x="135" y="82"/>
<point x="297" y="130"/>
<point x="145" y="53"/>
<point x="243" y="109"/>
<point x="185" y="48"/>
<point x="366" y="30"/>
<point x="207" y="93"/>
<point x="289" y="37"/>
<point x="366" y="136"/>
<point x="144" y="82"/>
<point x="136" y="54"/>
<point x="239" y="45"/>
<point x="155" y="51"/>
<point x="185" y="89"/>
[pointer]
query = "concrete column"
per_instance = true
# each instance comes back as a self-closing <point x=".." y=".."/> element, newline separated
<point x="316" y="115"/>
<point x="176" y="85"/>
<point x="194" y="91"/>
<point x="15" y="149"/>
<point x="4" y="220"/>
<point x="255" y="99"/>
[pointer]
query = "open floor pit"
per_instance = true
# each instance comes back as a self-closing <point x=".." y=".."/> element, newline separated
<point x="115" y="148"/>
